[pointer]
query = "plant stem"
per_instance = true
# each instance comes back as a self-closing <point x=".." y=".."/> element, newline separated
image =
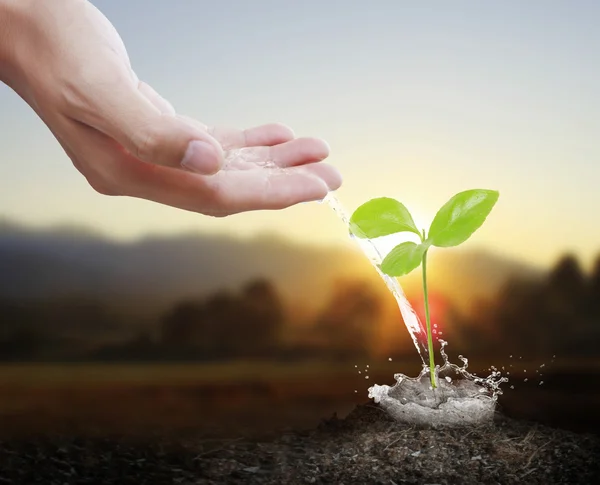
<point x="428" y="321"/>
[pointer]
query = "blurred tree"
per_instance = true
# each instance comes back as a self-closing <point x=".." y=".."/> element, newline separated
<point x="179" y="326"/>
<point x="567" y="318"/>
<point x="548" y="317"/>
<point x="227" y="325"/>
<point x="566" y="288"/>
<point x="594" y="291"/>
<point x="348" y="324"/>
<point x="23" y="344"/>
<point x="520" y="314"/>
<point x="265" y="316"/>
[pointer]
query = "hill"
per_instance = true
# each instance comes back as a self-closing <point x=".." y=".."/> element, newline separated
<point x="67" y="261"/>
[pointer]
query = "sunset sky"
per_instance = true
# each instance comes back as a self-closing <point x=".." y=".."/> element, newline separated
<point x="418" y="100"/>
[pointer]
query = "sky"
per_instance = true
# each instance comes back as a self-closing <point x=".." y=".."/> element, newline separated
<point x="417" y="100"/>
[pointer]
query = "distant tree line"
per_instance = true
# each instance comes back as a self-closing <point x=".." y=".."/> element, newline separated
<point x="560" y="314"/>
<point x="251" y="323"/>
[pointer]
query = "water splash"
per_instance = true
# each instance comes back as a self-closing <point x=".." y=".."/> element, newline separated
<point x="460" y="399"/>
<point x="415" y="327"/>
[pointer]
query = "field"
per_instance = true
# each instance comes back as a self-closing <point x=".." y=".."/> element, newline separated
<point x="213" y="400"/>
<point x="246" y="398"/>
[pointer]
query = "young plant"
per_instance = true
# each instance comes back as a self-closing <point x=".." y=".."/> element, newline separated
<point x="453" y="224"/>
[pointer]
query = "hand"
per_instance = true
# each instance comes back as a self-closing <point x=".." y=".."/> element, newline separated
<point x="66" y="60"/>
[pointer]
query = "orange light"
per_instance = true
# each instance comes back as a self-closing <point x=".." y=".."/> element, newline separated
<point x="438" y="310"/>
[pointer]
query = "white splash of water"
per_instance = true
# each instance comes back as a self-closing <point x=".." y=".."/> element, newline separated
<point x="460" y="399"/>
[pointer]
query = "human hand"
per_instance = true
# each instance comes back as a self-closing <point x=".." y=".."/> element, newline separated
<point x="66" y="60"/>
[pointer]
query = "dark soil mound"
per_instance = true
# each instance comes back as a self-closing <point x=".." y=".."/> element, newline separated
<point x="365" y="448"/>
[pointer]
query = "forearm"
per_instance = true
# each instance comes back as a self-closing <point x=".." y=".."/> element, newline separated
<point x="9" y="14"/>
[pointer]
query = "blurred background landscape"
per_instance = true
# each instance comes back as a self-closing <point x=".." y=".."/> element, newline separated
<point x="93" y="330"/>
<point x="121" y="316"/>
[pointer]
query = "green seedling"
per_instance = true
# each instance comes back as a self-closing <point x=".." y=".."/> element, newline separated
<point x="453" y="224"/>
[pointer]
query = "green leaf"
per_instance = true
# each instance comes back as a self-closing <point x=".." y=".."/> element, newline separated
<point x="403" y="258"/>
<point x="461" y="216"/>
<point x="381" y="217"/>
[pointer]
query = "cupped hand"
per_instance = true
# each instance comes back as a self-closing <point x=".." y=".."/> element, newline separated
<point x="69" y="64"/>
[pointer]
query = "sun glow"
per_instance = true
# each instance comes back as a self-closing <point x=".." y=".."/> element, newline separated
<point x="438" y="310"/>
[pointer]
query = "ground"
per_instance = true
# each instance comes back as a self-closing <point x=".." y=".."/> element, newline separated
<point x="366" y="447"/>
<point x="238" y="423"/>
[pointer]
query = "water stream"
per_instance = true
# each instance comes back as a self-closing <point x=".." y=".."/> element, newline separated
<point x="415" y="327"/>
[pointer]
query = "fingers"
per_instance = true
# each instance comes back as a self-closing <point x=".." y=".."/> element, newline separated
<point x="264" y="135"/>
<point x="300" y="151"/>
<point x="272" y="189"/>
<point x="268" y="135"/>
<point x="232" y="138"/>
<point x="228" y="193"/>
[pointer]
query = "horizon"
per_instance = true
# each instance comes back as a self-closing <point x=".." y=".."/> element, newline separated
<point x="80" y="228"/>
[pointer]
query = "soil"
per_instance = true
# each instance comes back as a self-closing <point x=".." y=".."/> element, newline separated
<point x="367" y="447"/>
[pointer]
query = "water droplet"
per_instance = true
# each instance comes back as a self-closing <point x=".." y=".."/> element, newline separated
<point x="448" y="379"/>
<point x="390" y="359"/>
<point x="359" y="372"/>
<point x="524" y="370"/>
<point x="543" y="365"/>
<point x="355" y="390"/>
<point x="525" y="380"/>
<point x="366" y="377"/>
<point x="367" y="366"/>
<point x="541" y="382"/>
<point x="512" y="387"/>
<point x="511" y="356"/>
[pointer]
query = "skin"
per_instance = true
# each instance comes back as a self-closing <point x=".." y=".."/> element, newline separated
<point x="66" y="60"/>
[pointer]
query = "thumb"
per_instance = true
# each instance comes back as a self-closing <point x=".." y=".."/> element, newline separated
<point x="156" y="137"/>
